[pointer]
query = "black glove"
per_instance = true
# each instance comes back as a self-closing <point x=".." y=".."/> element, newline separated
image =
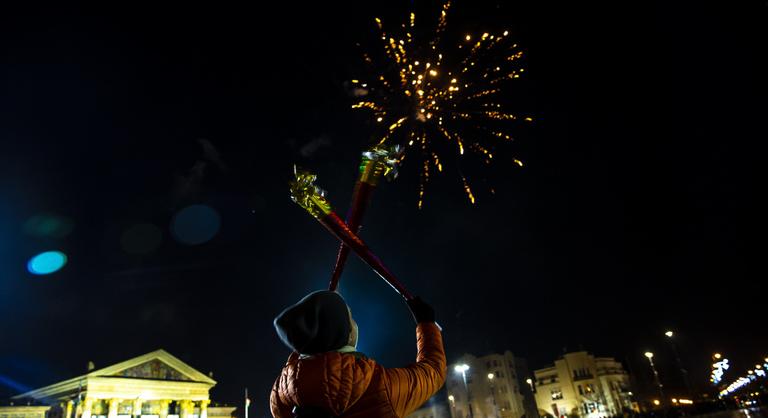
<point x="421" y="311"/>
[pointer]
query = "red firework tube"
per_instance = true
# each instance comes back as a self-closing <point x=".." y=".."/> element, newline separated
<point x="307" y="195"/>
<point x="338" y="228"/>
<point x="375" y="163"/>
<point x="360" y="199"/>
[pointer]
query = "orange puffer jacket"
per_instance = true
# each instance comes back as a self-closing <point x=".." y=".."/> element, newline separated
<point x="350" y="386"/>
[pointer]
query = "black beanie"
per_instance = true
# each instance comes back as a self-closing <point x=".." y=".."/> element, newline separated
<point x="316" y="324"/>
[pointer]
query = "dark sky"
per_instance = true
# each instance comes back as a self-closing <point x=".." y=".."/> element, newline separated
<point x="638" y="208"/>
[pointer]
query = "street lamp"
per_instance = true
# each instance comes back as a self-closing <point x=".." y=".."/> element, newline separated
<point x="683" y="371"/>
<point x="463" y="368"/>
<point x="530" y="383"/>
<point x="493" y="394"/>
<point x="649" y="356"/>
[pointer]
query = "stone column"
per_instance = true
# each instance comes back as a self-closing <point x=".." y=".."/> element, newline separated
<point x="87" y="405"/>
<point x="163" y="413"/>
<point x="68" y="410"/>
<point x="185" y="407"/>
<point x="136" y="409"/>
<point x="114" y="403"/>
<point x="204" y="408"/>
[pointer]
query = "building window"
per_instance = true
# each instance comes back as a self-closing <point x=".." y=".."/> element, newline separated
<point x="581" y="390"/>
<point x="556" y="394"/>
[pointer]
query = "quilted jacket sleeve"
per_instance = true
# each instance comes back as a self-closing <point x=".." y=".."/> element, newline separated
<point x="409" y="387"/>
<point x="278" y="407"/>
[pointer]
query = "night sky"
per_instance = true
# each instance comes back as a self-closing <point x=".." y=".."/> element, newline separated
<point x="638" y="208"/>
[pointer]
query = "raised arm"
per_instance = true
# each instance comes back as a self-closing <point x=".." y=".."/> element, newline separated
<point x="409" y="387"/>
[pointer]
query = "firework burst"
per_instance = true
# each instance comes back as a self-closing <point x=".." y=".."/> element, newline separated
<point x="441" y="103"/>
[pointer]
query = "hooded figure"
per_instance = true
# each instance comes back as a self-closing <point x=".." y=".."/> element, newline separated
<point x="326" y="376"/>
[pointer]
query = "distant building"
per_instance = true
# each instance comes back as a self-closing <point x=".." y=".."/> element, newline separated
<point x="581" y="385"/>
<point x="491" y="386"/>
<point x="155" y="385"/>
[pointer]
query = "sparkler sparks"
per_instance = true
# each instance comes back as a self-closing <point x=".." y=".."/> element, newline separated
<point x="446" y="102"/>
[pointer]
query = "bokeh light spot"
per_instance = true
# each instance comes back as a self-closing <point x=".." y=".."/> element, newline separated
<point x="47" y="262"/>
<point x="48" y="225"/>
<point x="141" y="238"/>
<point x="195" y="224"/>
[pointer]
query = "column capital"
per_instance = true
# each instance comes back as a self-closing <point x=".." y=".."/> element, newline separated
<point x="164" y="404"/>
<point x="185" y="408"/>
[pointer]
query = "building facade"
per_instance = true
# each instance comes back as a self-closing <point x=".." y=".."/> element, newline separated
<point x="582" y="385"/>
<point x="491" y="386"/>
<point x="155" y="385"/>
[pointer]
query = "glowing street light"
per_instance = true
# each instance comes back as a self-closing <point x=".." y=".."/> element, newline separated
<point x="463" y="368"/>
<point x="530" y="383"/>
<point x="493" y="394"/>
<point x="683" y="372"/>
<point x="649" y="356"/>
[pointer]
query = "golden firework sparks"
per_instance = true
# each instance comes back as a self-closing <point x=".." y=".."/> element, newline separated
<point x="444" y="96"/>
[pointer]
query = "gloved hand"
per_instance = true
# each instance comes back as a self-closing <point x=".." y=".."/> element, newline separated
<point x="421" y="311"/>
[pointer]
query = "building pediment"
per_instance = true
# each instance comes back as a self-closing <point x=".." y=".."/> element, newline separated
<point x="153" y="369"/>
<point x="157" y="366"/>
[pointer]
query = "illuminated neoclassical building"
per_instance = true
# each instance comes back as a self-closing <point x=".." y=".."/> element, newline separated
<point x="155" y="385"/>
